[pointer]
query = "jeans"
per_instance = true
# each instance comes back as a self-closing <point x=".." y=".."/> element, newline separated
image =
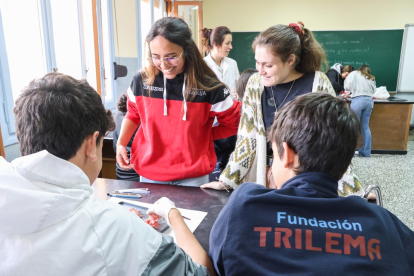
<point x="189" y="182"/>
<point x="362" y="107"/>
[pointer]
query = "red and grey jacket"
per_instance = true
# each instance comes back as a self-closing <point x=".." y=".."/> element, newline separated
<point x="175" y="139"/>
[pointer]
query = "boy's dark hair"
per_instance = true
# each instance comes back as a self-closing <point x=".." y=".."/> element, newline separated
<point x="321" y="129"/>
<point x="56" y="113"/>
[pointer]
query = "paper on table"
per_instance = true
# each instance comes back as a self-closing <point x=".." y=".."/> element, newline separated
<point x="196" y="217"/>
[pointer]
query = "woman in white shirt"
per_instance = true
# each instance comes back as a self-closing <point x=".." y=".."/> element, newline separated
<point x="362" y="86"/>
<point x="217" y="43"/>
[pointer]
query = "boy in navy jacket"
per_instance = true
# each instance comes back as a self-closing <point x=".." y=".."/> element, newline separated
<point x="301" y="226"/>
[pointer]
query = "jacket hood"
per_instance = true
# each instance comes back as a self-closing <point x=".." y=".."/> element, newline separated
<point x="39" y="190"/>
<point x="337" y="67"/>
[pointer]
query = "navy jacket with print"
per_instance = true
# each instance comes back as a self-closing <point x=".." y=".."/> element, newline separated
<point x="304" y="228"/>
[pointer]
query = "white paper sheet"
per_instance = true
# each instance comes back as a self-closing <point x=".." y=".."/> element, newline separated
<point x="196" y="217"/>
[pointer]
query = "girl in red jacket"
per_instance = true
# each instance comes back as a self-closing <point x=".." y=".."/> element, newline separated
<point x="175" y="98"/>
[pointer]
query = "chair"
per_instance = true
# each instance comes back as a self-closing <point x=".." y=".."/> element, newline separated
<point x="376" y="190"/>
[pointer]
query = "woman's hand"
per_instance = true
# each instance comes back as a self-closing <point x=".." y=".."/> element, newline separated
<point x="235" y="95"/>
<point x="216" y="185"/>
<point x="122" y="158"/>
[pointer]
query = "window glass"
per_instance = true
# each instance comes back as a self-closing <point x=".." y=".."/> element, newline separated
<point x="66" y="37"/>
<point x="23" y="34"/>
<point x="107" y="52"/>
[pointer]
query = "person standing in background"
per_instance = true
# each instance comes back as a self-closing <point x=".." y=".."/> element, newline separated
<point x="217" y="43"/>
<point x="337" y="75"/>
<point x="122" y="174"/>
<point x="362" y="86"/>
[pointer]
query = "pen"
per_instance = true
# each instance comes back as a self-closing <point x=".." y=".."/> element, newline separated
<point x="185" y="217"/>
<point x="134" y="191"/>
<point x="124" y="196"/>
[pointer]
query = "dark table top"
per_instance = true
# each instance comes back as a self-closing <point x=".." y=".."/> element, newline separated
<point x="207" y="200"/>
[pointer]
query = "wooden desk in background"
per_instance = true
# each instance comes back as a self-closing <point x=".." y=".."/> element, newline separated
<point x="210" y="201"/>
<point x="390" y="126"/>
<point x="108" y="159"/>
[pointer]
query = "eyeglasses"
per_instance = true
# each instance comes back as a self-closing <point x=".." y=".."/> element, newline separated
<point x="170" y="61"/>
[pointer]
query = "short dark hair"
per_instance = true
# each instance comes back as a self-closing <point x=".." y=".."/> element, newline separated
<point x="321" y="129"/>
<point x="56" y="113"/>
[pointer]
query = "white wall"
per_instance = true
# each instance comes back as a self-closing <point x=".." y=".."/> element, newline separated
<point x="257" y="15"/>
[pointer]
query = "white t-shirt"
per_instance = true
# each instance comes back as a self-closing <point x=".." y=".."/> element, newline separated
<point x="227" y="72"/>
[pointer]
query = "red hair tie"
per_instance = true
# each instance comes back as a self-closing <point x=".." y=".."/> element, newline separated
<point x="298" y="27"/>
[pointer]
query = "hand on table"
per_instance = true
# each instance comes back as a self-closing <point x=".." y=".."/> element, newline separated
<point x="162" y="207"/>
<point x="122" y="158"/>
<point x="216" y="185"/>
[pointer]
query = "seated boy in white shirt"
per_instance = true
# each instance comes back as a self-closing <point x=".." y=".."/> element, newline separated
<point x="49" y="223"/>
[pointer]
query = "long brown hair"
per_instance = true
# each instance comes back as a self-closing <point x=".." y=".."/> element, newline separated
<point x="284" y="41"/>
<point x="199" y="75"/>
<point x="366" y="72"/>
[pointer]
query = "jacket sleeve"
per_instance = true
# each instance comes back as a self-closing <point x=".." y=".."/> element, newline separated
<point x="227" y="112"/>
<point x="219" y="236"/>
<point x="407" y="241"/>
<point x="333" y="77"/>
<point x="242" y="157"/>
<point x="172" y="260"/>
<point x="321" y="83"/>
<point x="134" y="90"/>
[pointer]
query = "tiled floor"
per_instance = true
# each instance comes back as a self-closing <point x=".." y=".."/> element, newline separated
<point x="395" y="175"/>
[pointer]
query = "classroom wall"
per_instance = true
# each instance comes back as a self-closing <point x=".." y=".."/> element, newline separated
<point x="125" y="41"/>
<point x="257" y="15"/>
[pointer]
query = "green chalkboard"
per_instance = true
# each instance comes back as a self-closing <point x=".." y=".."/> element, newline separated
<point x="380" y="49"/>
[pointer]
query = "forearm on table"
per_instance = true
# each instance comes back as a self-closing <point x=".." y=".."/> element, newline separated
<point x="127" y="130"/>
<point x="186" y="240"/>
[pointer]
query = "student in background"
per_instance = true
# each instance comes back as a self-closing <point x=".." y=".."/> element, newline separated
<point x="175" y="98"/>
<point x="304" y="227"/>
<point x="122" y="174"/>
<point x="50" y="224"/>
<point x="217" y="42"/>
<point x="362" y="86"/>
<point x="288" y="59"/>
<point x="242" y="82"/>
<point x="337" y="74"/>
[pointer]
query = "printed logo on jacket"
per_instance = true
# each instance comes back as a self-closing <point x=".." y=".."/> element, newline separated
<point x="289" y="237"/>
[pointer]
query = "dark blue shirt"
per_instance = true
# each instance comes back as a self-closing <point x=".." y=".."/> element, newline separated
<point x="282" y="96"/>
<point x="304" y="228"/>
